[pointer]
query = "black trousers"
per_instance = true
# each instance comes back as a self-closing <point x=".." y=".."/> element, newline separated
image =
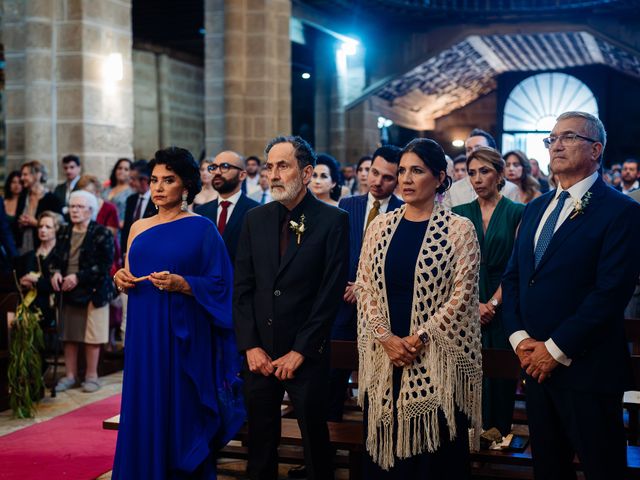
<point x="308" y="394"/>
<point x="564" y="422"/>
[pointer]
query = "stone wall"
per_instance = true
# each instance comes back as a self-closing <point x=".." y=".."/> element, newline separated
<point x="168" y="102"/>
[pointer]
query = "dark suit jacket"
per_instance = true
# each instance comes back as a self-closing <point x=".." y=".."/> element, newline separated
<point x="290" y="303"/>
<point x="129" y="210"/>
<point x="344" y="327"/>
<point x="231" y="234"/>
<point x="579" y="291"/>
<point x="61" y="192"/>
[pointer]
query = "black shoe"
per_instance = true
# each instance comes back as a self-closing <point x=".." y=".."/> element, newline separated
<point x="297" y="472"/>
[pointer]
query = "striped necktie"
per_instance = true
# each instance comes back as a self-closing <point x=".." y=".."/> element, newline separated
<point x="549" y="227"/>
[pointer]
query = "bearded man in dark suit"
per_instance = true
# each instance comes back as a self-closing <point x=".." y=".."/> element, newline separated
<point x="290" y="272"/>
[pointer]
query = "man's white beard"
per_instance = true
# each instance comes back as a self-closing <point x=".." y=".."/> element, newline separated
<point x="289" y="192"/>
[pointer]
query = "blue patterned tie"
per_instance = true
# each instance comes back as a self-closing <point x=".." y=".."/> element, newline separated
<point x="549" y="226"/>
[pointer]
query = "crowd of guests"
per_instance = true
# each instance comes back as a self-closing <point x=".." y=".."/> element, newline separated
<point x="407" y="251"/>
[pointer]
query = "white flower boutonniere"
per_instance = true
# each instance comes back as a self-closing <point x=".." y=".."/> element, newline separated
<point x="298" y="227"/>
<point x="580" y="205"/>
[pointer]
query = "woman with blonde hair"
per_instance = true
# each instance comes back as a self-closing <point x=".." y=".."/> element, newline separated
<point x="419" y="329"/>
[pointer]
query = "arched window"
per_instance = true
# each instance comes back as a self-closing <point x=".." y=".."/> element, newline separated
<point x="533" y="106"/>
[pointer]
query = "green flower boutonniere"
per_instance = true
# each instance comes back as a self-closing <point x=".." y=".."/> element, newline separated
<point x="580" y="205"/>
<point x="298" y="227"/>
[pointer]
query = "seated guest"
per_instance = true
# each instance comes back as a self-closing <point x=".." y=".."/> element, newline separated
<point x="362" y="172"/>
<point x="496" y="220"/>
<point x="324" y="180"/>
<point x="264" y="194"/>
<point x="208" y="193"/>
<point x="34" y="199"/>
<point x="518" y="172"/>
<point x="419" y="330"/>
<point x="228" y="210"/>
<point x="82" y="259"/>
<point x="72" y="171"/>
<point x="539" y="176"/>
<point x="119" y="189"/>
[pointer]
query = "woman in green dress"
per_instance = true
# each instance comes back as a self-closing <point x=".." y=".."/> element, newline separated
<point x="496" y="220"/>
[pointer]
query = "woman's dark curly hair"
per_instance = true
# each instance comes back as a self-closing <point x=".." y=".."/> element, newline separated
<point x="432" y="155"/>
<point x="113" y="181"/>
<point x="182" y="163"/>
<point x="7" y="184"/>
<point x="334" y="171"/>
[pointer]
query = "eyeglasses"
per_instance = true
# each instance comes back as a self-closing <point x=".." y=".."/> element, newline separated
<point x="224" y="167"/>
<point x="566" y="139"/>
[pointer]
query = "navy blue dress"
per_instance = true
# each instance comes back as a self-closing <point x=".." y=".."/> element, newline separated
<point x="181" y="396"/>
<point x="451" y="459"/>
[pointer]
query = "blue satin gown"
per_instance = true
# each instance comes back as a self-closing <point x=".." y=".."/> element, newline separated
<point x="181" y="396"/>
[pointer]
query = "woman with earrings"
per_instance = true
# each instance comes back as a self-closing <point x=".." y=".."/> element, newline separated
<point x="181" y="398"/>
<point x="419" y="329"/>
<point x="496" y="220"/>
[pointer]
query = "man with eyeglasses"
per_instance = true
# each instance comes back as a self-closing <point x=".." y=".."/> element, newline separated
<point x="228" y="210"/>
<point x="573" y="270"/>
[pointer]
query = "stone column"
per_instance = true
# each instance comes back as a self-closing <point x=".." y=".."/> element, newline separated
<point x="247" y="74"/>
<point x="362" y="135"/>
<point x="64" y="94"/>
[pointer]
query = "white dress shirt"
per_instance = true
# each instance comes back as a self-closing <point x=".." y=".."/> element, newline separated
<point x="252" y="184"/>
<point x="635" y="185"/>
<point x="384" y="205"/>
<point x="233" y="199"/>
<point x="257" y="196"/>
<point x="462" y="192"/>
<point x="576" y="193"/>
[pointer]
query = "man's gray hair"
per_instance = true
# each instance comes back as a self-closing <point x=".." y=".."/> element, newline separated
<point x="91" y="199"/>
<point x="593" y="127"/>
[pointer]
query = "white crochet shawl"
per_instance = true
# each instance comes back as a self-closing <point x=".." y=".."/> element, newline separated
<point x="448" y="372"/>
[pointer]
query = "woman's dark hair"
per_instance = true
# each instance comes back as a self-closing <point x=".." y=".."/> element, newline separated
<point x="528" y="184"/>
<point x="7" y="184"/>
<point x="182" y="163"/>
<point x="113" y="181"/>
<point x="489" y="156"/>
<point x="366" y="158"/>
<point x="432" y="155"/>
<point x="334" y="171"/>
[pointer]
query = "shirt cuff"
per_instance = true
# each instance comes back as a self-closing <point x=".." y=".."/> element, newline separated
<point x="556" y="353"/>
<point x="516" y="337"/>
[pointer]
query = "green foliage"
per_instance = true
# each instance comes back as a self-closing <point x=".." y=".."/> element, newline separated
<point x="25" y="365"/>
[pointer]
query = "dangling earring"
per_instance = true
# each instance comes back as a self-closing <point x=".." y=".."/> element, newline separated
<point x="155" y="206"/>
<point x="184" y="205"/>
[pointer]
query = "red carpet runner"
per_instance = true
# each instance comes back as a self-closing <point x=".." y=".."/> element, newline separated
<point x="71" y="447"/>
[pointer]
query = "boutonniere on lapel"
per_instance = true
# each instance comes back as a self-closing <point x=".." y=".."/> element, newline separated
<point x="580" y="205"/>
<point x="298" y="227"/>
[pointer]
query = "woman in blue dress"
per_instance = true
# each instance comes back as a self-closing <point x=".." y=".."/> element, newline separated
<point x="181" y="398"/>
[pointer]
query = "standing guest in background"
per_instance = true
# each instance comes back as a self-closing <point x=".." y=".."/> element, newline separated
<point x="72" y="171"/>
<point x="8" y="249"/>
<point x="538" y="175"/>
<point x="420" y="378"/>
<point x="12" y="191"/>
<point x="34" y="199"/>
<point x="264" y="194"/>
<point x="181" y="396"/>
<point x="139" y="204"/>
<point x="629" y="176"/>
<point x="119" y="188"/>
<point x="362" y="172"/>
<point x="80" y="271"/>
<point x="518" y="172"/>
<point x="251" y="183"/>
<point x="208" y="193"/>
<point x="574" y="266"/>
<point x="459" y="167"/>
<point x="462" y="192"/>
<point x="496" y="220"/>
<point x="290" y="274"/>
<point x="228" y="210"/>
<point x="349" y="176"/>
<point x="362" y="210"/>
<point x="324" y="180"/>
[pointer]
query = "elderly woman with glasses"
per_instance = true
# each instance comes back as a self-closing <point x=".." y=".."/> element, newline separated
<point x="80" y="273"/>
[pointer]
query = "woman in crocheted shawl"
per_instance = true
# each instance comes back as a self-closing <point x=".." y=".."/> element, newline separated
<point x="419" y="329"/>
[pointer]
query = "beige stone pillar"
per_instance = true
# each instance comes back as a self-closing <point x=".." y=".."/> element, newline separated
<point x="362" y="135"/>
<point x="69" y="82"/>
<point x="247" y="74"/>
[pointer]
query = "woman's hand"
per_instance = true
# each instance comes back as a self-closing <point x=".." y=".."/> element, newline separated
<point x="27" y="221"/>
<point x="399" y="351"/>
<point x="29" y="280"/>
<point x="169" y="282"/>
<point x="124" y="280"/>
<point x="56" y="281"/>
<point x="69" y="282"/>
<point x="487" y="312"/>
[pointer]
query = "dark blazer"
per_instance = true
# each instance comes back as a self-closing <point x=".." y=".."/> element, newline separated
<point x="231" y="234"/>
<point x="96" y="257"/>
<point x="290" y="303"/>
<point x="345" y="326"/>
<point x="61" y="192"/>
<point x="129" y="210"/>
<point x="579" y="291"/>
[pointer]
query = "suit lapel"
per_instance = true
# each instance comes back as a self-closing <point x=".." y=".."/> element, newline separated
<point x="238" y="210"/>
<point x="360" y="208"/>
<point x="536" y="222"/>
<point x="309" y="212"/>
